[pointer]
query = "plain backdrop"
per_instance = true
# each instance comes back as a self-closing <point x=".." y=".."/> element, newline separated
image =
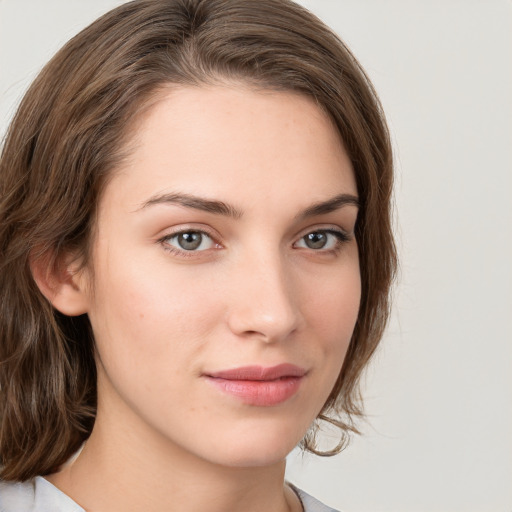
<point x="439" y="392"/>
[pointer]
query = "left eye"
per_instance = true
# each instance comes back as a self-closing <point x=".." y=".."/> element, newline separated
<point x="190" y="241"/>
<point x="322" y="239"/>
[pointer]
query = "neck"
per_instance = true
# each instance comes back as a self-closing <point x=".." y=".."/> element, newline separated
<point x="121" y="470"/>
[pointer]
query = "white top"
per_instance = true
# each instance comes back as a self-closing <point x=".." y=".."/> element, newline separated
<point x="39" y="495"/>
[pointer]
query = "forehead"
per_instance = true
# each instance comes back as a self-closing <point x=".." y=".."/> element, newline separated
<point x="234" y="143"/>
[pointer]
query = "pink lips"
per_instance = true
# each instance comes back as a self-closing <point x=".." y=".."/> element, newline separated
<point x="256" y="385"/>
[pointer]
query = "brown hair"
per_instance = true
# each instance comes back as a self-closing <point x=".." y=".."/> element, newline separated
<point x="67" y="137"/>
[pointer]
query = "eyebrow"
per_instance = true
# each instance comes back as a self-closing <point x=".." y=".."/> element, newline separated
<point x="222" y="208"/>
<point x="331" y="205"/>
<point x="195" y="202"/>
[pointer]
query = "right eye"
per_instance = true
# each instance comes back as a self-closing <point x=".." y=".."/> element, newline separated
<point x="189" y="241"/>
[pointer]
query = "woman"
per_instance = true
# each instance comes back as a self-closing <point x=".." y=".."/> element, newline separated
<point x="196" y="259"/>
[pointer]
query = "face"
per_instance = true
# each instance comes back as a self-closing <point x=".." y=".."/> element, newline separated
<point x="226" y="277"/>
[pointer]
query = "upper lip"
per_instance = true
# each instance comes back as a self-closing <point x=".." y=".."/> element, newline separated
<point x="259" y="372"/>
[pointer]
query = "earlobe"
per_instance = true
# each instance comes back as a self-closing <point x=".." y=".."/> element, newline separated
<point x="62" y="282"/>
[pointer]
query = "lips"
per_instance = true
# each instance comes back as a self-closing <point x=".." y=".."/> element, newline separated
<point x="258" y="385"/>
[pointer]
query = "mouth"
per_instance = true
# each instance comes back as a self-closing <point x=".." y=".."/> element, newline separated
<point x="258" y="385"/>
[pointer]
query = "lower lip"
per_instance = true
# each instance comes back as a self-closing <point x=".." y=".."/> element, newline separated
<point x="259" y="392"/>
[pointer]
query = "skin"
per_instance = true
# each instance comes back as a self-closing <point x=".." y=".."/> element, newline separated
<point x="253" y="293"/>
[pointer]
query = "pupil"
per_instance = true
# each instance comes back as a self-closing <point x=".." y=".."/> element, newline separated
<point x="189" y="241"/>
<point x="316" y="240"/>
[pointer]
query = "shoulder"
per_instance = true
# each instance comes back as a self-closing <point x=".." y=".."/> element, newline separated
<point x="309" y="503"/>
<point x="35" y="495"/>
<point x="17" y="496"/>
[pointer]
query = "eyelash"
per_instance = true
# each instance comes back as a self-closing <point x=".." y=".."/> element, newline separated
<point x="341" y="239"/>
<point x="341" y="236"/>
<point x="164" y="241"/>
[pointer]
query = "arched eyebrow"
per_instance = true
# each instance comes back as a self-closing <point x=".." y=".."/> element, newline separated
<point x="195" y="202"/>
<point x="328" y="206"/>
<point x="222" y="208"/>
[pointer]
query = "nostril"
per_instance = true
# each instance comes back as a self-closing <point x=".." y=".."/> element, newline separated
<point x="263" y="303"/>
<point x="252" y="323"/>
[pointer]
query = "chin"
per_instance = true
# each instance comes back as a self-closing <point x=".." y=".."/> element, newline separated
<point x="258" y="448"/>
<point x="252" y="458"/>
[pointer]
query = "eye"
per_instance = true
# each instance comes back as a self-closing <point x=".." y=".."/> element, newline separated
<point x="322" y="239"/>
<point x="190" y="241"/>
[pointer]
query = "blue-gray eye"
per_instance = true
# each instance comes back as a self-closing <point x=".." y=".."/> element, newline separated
<point x="316" y="240"/>
<point x="321" y="239"/>
<point x="191" y="241"/>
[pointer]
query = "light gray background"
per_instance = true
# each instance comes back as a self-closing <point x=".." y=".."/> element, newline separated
<point x="439" y="394"/>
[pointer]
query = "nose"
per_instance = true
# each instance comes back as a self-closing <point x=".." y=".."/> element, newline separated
<point x="264" y="304"/>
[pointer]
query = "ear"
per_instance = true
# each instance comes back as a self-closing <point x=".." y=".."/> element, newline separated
<point x="61" y="281"/>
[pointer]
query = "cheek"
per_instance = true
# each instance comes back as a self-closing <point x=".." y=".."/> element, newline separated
<point x="332" y="305"/>
<point x="145" y="312"/>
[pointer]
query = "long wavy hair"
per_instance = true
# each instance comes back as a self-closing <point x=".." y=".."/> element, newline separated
<point x="68" y="136"/>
